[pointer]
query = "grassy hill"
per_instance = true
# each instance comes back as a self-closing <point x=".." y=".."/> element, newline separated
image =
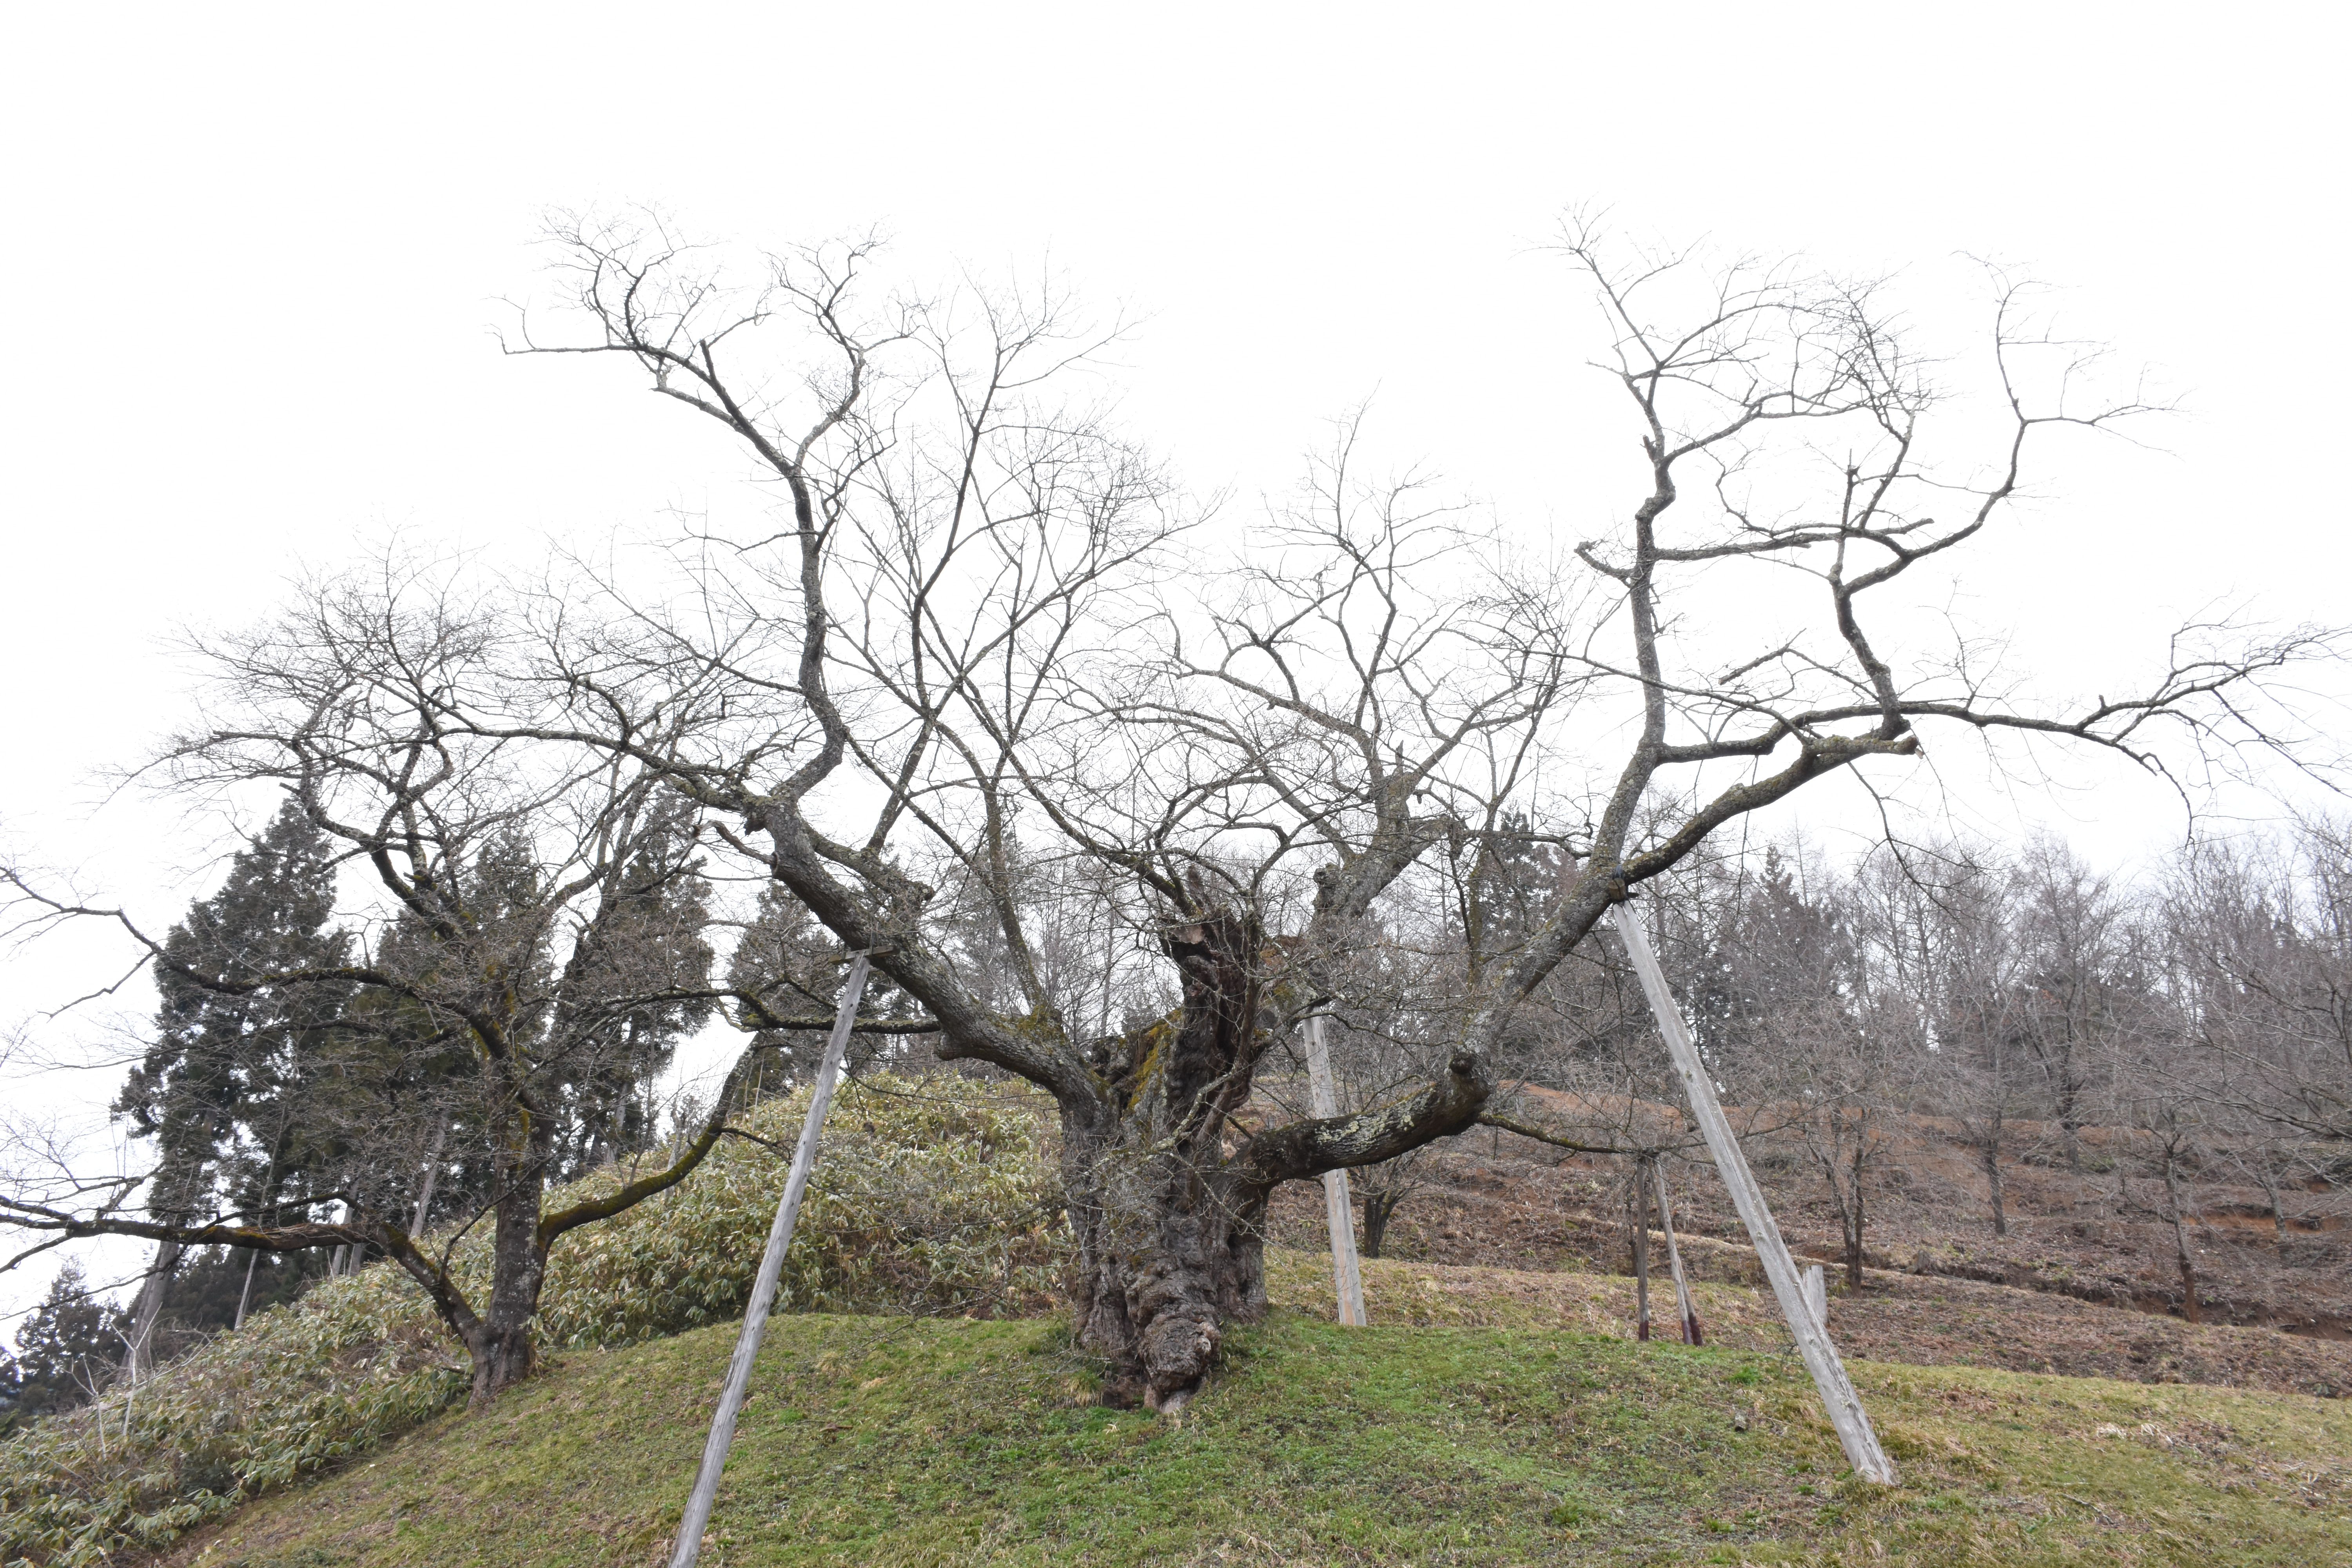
<point x="920" y="1441"/>
<point x="1499" y="1413"/>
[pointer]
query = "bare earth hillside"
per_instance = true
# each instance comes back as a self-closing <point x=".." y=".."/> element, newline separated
<point x="2085" y="1283"/>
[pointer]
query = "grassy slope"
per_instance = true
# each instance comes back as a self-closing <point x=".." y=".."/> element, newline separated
<point x="894" y="1441"/>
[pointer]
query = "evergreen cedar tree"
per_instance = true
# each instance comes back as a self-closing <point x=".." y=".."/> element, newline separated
<point x="67" y="1347"/>
<point x="229" y="1093"/>
<point x="305" y="1092"/>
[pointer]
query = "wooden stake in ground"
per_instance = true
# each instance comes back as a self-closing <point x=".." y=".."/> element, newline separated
<point x="1683" y="1301"/>
<point x="1844" y="1405"/>
<point x="1322" y="1100"/>
<point x="771" y="1270"/>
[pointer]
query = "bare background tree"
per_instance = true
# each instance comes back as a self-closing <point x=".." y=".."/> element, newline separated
<point x="539" y="950"/>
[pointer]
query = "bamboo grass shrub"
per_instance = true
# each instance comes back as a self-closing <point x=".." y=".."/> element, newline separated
<point x="930" y="1197"/>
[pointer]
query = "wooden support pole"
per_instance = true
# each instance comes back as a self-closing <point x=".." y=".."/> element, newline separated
<point x="1683" y="1301"/>
<point x="1817" y="1294"/>
<point x="1838" y="1396"/>
<point x="1323" y="1099"/>
<point x="771" y="1270"/>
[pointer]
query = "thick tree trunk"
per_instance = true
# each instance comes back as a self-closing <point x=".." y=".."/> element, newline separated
<point x="502" y="1358"/>
<point x="1171" y="1239"/>
<point x="1166" y="1181"/>
<point x="499" y="1343"/>
<point x="1165" y="1258"/>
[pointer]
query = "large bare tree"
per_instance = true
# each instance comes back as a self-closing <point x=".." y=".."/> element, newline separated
<point x="1118" y="792"/>
<point x="978" y="645"/>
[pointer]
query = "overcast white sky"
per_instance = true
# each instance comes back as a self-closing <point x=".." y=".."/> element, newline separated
<point x="254" y="253"/>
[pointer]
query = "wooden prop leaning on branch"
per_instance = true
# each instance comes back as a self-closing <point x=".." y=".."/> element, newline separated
<point x="764" y="1289"/>
<point x="1844" y="1405"/>
<point x="1347" y="1274"/>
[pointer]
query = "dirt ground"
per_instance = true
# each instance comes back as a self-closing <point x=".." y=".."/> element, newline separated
<point x="2085" y="1283"/>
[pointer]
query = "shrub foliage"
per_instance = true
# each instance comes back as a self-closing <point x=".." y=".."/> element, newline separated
<point x="928" y="1199"/>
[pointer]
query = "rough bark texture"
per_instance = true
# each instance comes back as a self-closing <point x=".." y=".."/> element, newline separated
<point x="1170" y="1241"/>
<point x="499" y="1344"/>
<point x="1167" y="1189"/>
<point x="1164" y="1259"/>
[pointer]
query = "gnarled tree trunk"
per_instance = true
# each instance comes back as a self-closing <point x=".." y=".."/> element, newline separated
<point x="1170" y="1232"/>
<point x="1167" y="1254"/>
<point x="1167" y="1188"/>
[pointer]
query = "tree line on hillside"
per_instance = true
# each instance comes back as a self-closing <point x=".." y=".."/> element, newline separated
<point x="2196" y="1016"/>
<point x="1111" y="808"/>
<point x="2020" y="995"/>
<point x="303" y="1069"/>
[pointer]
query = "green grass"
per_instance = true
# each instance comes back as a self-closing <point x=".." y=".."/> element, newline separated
<point x="898" y="1441"/>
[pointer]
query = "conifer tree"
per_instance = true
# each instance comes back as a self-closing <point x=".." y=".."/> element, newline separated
<point x="219" y="1058"/>
<point x="653" y="936"/>
<point x="68" y="1347"/>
